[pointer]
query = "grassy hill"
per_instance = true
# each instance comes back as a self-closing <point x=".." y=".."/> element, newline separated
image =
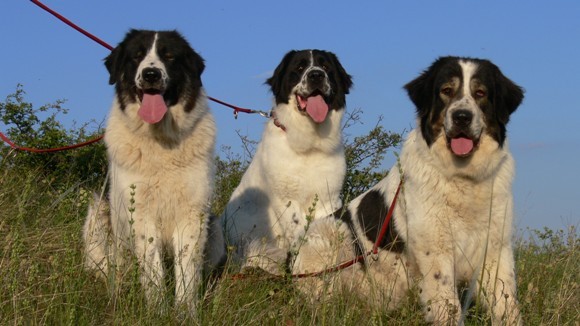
<point x="42" y="280"/>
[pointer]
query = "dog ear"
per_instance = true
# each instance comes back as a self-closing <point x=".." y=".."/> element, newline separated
<point x="345" y="80"/>
<point x="193" y="61"/>
<point x="422" y="93"/>
<point x="421" y="90"/>
<point x="112" y="62"/>
<point x="276" y="82"/>
<point x="508" y="96"/>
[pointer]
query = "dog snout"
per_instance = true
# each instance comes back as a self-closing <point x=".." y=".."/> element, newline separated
<point x="462" y="118"/>
<point x="316" y="76"/>
<point x="151" y="75"/>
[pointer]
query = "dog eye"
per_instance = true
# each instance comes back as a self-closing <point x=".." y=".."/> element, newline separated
<point x="447" y="91"/>
<point x="300" y="68"/>
<point x="169" y="56"/>
<point x="480" y="93"/>
<point x="138" y="56"/>
<point x="325" y="67"/>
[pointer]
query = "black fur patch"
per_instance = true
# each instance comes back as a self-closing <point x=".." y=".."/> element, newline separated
<point x="371" y="216"/>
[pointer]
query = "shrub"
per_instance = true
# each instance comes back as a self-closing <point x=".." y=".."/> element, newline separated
<point x="26" y="128"/>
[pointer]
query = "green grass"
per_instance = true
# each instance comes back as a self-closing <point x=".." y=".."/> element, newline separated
<point x="42" y="280"/>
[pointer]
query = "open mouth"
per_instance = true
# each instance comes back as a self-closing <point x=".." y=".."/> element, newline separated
<point x="153" y="107"/>
<point x="314" y="105"/>
<point x="150" y="91"/>
<point x="462" y="145"/>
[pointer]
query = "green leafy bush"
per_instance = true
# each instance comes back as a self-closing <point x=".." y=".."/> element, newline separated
<point x="26" y="127"/>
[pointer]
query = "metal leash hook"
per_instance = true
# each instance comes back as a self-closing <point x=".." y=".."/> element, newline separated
<point x="265" y="114"/>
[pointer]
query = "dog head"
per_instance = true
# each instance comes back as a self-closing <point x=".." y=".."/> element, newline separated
<point x="463" y="99"/>
<point x="315" y="79"/>
<point x="156" y="69"/>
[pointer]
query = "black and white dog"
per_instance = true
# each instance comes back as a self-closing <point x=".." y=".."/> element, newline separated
<point x="299" y="166"/>
<point x="453" y="219"/>
<point x="160" y="140"/>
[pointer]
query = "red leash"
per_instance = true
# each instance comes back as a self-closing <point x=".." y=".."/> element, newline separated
<point x="239" y="109"/>
<point x="48" y="150"/>
<point x="71" y="24"/>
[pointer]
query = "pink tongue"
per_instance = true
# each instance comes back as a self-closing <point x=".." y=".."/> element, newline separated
<point x="461" y="146"/>
<point x="316" y="108"/>
<point x="152" y="108"/>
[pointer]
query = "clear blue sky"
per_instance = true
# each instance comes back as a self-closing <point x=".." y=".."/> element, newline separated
<point x="382" y="44"/>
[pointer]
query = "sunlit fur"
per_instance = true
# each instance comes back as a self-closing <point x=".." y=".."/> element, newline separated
<point x="453" y="219"/>
<point x="160" y="175"/>
<point x="297" y="171"/>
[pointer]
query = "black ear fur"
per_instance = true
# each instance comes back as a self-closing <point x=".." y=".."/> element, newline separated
<point x="277" y="79"/>
<point x="421" y="89"/>
<point x="344" y="78"/>
<point x="112" y="63"/>
<point x="422" y="93"/>
<point x="114" y="60"/>
<point x="193" y="61"/>
<point x="508" y="96"/>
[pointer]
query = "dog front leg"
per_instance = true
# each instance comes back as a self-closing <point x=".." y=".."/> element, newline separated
<point x="148" y="254"/>
<point x="188" y="243"/>
<point x="438" y="290"/>
<point x="499" y="289"/>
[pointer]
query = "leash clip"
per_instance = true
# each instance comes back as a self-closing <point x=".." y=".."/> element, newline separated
<point x="374" y="255"/>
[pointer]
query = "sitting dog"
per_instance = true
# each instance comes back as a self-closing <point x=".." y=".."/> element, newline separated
<point x="452" y="224"/>
<point x="160" y="143"/>
<point x="299" y="166"/>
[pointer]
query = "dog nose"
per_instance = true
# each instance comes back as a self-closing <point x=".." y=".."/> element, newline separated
<point x="462" y="118"/>
<point x="316" y="76"/>
<point x="151" y="75"/>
